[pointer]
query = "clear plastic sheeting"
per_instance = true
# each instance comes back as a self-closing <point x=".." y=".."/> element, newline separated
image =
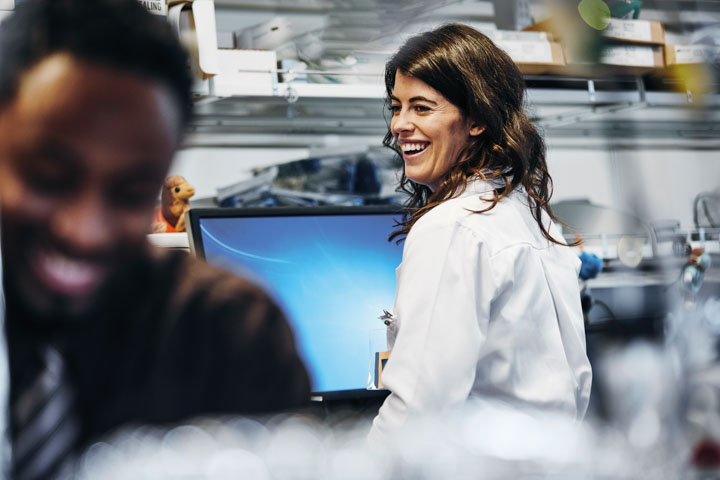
<point x="647" y="436"/>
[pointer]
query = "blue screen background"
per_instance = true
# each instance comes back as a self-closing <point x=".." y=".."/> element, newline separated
<point x="331" y="274"/>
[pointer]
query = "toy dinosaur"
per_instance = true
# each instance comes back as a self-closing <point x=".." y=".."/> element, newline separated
<point x="175" y="201"/>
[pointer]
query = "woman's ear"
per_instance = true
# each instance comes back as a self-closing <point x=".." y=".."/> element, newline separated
<point x="476" y="129"/>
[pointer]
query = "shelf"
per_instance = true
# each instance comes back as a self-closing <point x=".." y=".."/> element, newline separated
<point x="315" y="6"/>
<point x="615" y="109"/>
<point x="172" y="241"/>
<point x="332" y="90"/>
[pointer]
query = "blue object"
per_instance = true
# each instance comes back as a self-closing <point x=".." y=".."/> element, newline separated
<point x="704" y="262"/>
<point x="692" y="279"/>
<point x="693" y="275"/>
<point x="591" y="265"/>
<point x="332" y="274"/>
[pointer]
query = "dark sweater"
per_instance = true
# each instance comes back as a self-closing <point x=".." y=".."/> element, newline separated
<point x="174" y="339"/>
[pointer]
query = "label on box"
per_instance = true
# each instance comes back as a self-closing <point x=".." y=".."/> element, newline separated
<point x="633" y="56"/>
<point x="158" y="7"/>
<point x="637" y="30"/>
<point x="695" y="53"/>
<point x="7" y="4"/>
<point x="689" y="53"/>
<point x="514" y="35"/>
<point x="527" y="52"/>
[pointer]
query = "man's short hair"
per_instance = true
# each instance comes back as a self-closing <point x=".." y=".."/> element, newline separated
<point x="120" y="34"/>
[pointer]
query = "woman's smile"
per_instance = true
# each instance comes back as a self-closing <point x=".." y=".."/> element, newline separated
<point x="412" y="149"/>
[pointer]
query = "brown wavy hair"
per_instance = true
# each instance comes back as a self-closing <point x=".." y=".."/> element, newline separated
<point x="486" y="86"/>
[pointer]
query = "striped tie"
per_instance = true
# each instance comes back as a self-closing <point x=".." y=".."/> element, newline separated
<point x="44" y="426"/>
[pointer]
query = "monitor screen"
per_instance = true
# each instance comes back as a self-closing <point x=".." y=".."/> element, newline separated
<point x="331" y="270"/>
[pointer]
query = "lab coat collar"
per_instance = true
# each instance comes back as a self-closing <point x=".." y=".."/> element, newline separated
<point x="477" y="186"/>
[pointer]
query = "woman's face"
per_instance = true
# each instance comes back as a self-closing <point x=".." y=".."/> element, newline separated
<point x="430" y="131"/>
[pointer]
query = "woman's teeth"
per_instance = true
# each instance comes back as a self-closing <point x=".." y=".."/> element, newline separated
<point x="413" y="147"/>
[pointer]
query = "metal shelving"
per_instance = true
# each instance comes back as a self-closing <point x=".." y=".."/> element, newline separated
<point x="618" y="108"/>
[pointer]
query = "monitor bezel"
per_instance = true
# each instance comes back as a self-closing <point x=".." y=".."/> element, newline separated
<point x="195" y="215"/>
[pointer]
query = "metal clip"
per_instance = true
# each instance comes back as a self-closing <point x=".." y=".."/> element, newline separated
<point x="387" y="317"/>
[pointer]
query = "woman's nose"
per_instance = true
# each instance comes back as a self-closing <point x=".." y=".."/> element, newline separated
<point x="401" y="123"/>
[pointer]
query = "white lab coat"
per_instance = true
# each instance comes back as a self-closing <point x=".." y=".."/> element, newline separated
<point x="486" y="307"/>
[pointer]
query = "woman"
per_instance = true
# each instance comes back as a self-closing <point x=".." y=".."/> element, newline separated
<point x="487" y="301"/>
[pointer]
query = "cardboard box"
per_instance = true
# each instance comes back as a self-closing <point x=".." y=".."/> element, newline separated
<point x="534" y="57"/>
<point x="245" y="72"/>
<point x="634" y="56"/>
<point x="518" y="35"/>
<point x="156" y="7"/>
<point x="643" y="32"/>
<point x="633" y="60"/>
<point x="690" y="54"/>
<point x="194" y="22"/>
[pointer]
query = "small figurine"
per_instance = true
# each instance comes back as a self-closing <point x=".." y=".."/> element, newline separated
<point x="175" y="201"/>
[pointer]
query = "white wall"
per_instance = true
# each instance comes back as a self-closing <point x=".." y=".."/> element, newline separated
<point x="581" y="173"/>
<point x="665" y="181"/>
<point x="655" y="183"/>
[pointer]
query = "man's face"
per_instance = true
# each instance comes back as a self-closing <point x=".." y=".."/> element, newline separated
<point x="83" y="151"/>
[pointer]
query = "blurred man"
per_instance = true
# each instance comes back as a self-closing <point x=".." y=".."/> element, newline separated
<point x="102" y="330"/>
<point x="4" y="383"/>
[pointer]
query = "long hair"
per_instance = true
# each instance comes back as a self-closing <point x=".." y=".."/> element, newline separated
<point x="486" y="86"/>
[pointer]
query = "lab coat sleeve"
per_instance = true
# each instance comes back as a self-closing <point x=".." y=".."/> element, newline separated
<point x="445" y="288"/>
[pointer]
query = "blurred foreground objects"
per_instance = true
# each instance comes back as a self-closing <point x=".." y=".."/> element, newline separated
<point x="693" y="273"/>
<point x="488" y="440"/>
<point x="491" y="441"/>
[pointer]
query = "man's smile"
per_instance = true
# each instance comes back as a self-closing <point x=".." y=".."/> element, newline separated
<point x="66" y="275"/>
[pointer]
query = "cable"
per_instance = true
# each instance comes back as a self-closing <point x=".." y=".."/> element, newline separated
<point x="607" y="309"/>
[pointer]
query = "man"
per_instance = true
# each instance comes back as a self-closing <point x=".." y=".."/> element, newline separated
<point x="102" y="330"/>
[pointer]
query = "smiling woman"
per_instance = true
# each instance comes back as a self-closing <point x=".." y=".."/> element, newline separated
<point x="487" y="304"/>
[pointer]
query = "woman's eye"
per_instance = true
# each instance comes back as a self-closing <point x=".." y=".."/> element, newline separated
<point x="394" y="109"/>
<point x="421" y="108"/>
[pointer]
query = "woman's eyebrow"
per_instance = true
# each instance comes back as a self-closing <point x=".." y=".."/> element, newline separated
<point x="422" y="99"/>
<point x="415" y="99"/>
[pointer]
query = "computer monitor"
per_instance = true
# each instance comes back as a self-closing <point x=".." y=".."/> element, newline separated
<point x="331" y="269"/>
